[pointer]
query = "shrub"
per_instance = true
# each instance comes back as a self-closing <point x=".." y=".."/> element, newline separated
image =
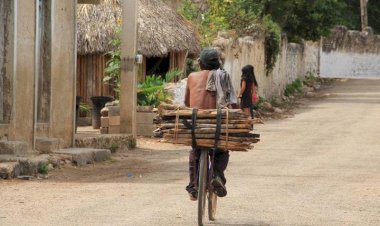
<point x="173" y="75"/>
<point x="112" y="71"/>
<point x="272" y="43"/>
<point x="114" y="148"/>
<point x="84" y="109"/>
<point x="152" y="91"/>
<point x="310" y="78"/>
<point x="43" y="168"/>
<point x="274" y="101"/>
<point x="260" y="102"/>
<point x="293" y="87"/>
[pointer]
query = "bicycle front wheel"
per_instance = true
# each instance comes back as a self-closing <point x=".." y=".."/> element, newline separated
<point x="203" y="164"/>
<point x="212" y="201"/>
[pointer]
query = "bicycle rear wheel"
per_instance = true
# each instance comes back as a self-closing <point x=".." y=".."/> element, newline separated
<point x="203" y="169"/>
<point x="212" y="202"/>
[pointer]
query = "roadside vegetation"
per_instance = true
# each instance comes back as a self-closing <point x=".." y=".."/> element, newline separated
<point x="151" y="91"/>
<point x="43" y="168"/>
<point x="294" y="87"/>
<point x="295" y="94"/>
<point x="297" y="19"/>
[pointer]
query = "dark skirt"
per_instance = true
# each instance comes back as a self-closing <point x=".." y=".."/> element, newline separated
<point x="246" y="102"/>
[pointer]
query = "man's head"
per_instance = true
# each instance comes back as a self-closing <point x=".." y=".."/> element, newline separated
<point x="209" y="59"/>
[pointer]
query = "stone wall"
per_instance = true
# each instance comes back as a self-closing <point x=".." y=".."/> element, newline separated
<point x="294" y="61"/>
<point x="350" y="54"/>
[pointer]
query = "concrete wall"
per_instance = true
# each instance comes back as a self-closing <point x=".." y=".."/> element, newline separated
<point x="6" y="56"/>
<point x="2" y="56"/>
<point x="20" y="68"/>
<point x="294" y="61"/>
<point x="63" y="70"/>
<point x="350" y="54"/>
<point x="21" y="126"/>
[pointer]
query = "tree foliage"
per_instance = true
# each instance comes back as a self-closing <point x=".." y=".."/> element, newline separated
<point x="304" y="19"/>
<point x="374" y="14"/>
<point x="298" y="19"/>
<point x="351" y="15"/>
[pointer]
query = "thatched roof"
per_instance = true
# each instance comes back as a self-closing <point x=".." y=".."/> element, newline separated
<point x="160" y="29"/>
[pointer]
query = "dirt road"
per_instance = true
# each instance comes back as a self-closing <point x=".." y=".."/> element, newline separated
<point x="321" y="167"/>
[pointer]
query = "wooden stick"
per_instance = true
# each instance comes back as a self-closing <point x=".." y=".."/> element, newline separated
<point x="206" y="130"/>
<point x="223" y="126"/>
<point x="207" y="121"/>
<point x="205" y="113"/>
<point x="212" y="136"/>
<point x="233" y="146"/>
<point x="163" y="107"/>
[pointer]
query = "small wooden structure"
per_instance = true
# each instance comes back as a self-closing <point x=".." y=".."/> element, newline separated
<point x="165" y="39"/>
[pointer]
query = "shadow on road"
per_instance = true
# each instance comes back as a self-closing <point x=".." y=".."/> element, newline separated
<point x="258" y="223"/>
<point x="160" y="164"/>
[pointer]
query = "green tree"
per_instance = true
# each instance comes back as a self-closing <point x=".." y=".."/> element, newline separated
<point x="374" y="14"/>
<point x="304" y="19"/>
<point x="350" y="15"/>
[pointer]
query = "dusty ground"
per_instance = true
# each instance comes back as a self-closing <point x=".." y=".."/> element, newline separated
<point x="320" y="167"/>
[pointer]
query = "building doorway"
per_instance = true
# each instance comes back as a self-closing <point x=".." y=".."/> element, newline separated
<point x="157" y="66"/>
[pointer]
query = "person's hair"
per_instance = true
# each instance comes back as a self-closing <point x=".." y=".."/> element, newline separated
<point x="248" y="74"/>
<point x="209" y="59"/>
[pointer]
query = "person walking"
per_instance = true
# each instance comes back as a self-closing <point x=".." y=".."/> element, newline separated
<point x="248" y="90"/>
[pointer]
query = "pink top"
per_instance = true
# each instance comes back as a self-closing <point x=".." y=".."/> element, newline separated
<point x="254" y="95"/>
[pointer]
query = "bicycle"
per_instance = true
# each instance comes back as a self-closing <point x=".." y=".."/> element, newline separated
<point x="205" y="172"/>
<point x="205" y="168"/>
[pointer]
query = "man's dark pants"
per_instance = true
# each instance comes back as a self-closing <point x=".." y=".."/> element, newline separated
<point x="220" y="165"/>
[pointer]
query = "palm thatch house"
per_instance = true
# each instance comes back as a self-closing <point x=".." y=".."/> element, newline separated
<point x="165" y="40"/>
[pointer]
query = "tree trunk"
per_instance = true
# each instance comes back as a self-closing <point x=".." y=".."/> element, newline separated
<point x="364" y="13"/>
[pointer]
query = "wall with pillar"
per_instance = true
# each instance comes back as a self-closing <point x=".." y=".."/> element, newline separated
<point x="22" y="121"/>
<point x="6" y="65"/>
<point x="63" y="70"/>
<point x="2" y="56"/>
<point x="19" y="70"/>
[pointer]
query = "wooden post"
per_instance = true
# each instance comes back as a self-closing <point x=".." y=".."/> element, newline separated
<point x="364" y="13"/>
<point x="128" y="88"/>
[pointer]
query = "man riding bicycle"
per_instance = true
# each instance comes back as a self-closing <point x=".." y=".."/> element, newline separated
<point x="209" y="88"/>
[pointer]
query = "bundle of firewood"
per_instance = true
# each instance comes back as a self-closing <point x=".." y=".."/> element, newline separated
<point x="175" y="126"/>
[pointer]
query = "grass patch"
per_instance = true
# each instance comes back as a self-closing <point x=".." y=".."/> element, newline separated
<point x="43" y="168"/>
<point x="114" y="148"/>
<point x="274" y="102"/>
<point x="310" y="79"/>
<point x="294" y="87"/>
<point x="260" y="102"/>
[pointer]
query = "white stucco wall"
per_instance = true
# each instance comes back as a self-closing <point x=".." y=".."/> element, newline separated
<point x="349" y="64"/>
<point x="294" y="61"/>
<point x="347" y="53"/>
